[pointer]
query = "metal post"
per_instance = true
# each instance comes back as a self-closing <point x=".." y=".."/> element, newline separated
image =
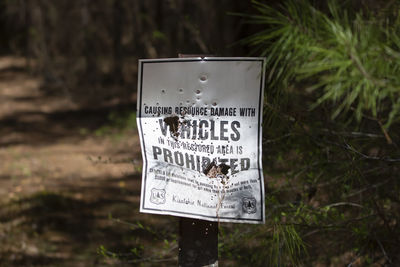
<point x="198" y="239"/>
<point x="198" y="243"/>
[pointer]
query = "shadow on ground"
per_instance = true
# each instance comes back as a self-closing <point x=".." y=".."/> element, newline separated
<point x="39" y="128"/>
<point x="59" y="205"/>
<point x="51" y="228"/>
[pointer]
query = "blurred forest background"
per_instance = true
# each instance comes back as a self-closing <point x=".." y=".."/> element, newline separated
<point x="70" y="162"/>
<point x="96" y="44"/>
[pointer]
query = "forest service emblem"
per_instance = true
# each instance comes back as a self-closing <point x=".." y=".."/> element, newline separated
<point x="249" y="205"/>
<point x="157" y="196"/>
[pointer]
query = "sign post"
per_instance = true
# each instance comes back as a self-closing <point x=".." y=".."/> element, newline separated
<point x="198" y="243"/>
<point x="199" y="122"/>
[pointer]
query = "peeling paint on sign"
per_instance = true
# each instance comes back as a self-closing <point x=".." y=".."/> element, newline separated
<point x="199" y="122"/>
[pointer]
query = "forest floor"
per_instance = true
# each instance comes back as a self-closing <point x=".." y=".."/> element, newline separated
<point x="70" y="182"/>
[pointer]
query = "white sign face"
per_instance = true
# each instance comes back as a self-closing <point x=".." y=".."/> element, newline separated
<point x="199" y="123"/>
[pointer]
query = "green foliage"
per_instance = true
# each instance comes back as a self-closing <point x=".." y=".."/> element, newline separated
<point x="286" y="241"/>
<point x="163" y="241"/>
<point x="350" y="57"/>
<point x="117" y="123"/>
<point x="158" y="35"/>
<point x="273" y="244"/>
<point x="330" y="161"/>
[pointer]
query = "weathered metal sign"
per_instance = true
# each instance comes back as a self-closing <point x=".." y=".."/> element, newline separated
<point x="199" y="122"/>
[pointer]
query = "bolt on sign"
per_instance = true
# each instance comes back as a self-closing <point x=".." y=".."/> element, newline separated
<point x="199" y="122"/>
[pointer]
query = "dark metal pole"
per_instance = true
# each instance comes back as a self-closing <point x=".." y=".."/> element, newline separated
<point x="198" y="243"/>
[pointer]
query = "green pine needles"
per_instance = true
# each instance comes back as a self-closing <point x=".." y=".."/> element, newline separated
<point x="331" y="174"/>
<point x="347" y="58"/>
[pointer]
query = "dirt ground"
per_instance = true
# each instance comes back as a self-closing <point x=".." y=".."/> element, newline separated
<point x="70" y="186"/>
